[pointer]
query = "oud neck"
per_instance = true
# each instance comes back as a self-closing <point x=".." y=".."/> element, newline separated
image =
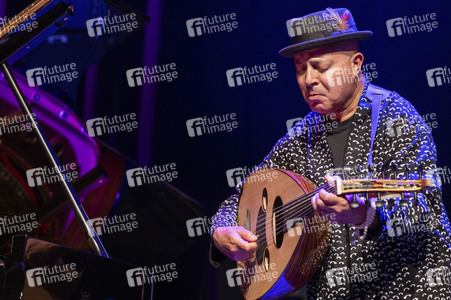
<point x="302" y="206"/>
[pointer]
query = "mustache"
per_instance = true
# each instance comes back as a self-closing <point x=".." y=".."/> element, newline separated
<point x="313" y="91"/>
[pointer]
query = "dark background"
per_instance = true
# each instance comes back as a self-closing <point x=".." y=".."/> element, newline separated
<point x="262" y="109"/>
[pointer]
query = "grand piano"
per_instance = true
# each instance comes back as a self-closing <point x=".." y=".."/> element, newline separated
<point x="45" y="253"/>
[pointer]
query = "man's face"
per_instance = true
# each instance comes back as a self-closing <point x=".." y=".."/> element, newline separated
<point x="326" y="78"/>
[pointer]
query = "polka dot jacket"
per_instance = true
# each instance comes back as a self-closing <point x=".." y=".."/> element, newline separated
<point x="409" y="256"/>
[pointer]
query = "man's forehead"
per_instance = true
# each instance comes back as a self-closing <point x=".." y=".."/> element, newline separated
<point x="327" y="52"/>
<point x="317" y="54"/>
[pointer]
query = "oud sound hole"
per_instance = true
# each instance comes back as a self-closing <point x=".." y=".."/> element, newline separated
<point x="261" y="240"/>
<point x="277" y="222"/>
<point x="266" y="261"/>
<point x="264" y="199"/>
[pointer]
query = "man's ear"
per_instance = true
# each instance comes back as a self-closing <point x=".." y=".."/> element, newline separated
<point x="357" y="62"/>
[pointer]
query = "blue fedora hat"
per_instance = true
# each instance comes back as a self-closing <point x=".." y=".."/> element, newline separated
<point x="320" y="29"/>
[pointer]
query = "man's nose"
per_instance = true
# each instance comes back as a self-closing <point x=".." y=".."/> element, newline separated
<point x="311" y="76"/>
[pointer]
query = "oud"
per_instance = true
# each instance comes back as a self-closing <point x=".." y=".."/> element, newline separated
<point x="288" y="253"/>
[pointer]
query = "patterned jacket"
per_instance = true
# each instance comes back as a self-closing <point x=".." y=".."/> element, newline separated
<point x="410" y="260"/>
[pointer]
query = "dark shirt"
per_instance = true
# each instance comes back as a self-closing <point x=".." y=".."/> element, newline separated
<point x="337" y="139"/>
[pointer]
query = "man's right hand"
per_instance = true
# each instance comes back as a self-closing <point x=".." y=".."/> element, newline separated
<point x="235" y="242"/>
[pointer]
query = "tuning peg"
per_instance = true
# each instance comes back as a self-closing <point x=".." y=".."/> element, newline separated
<point x="379" y="202"/>
<point x="383" y="169"/>
<point x="390" y="208"/>
<point x="347" y="172"/>
<point x="420" y="176"/>
<point x="395" y="169"/>
<point x="403" y="202"/>
<point x="390" y="204"/>
<point x="420" y="170"/>
<point x="359" y="171"/>
<point x="354" y="203"/>
<point x="358" y="167"/>
<point x="407" y="171"/>
<point x="415" y="198"/>
<point x="371" y="170"/>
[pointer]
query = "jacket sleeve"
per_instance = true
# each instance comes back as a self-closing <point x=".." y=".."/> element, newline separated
<point x="407" y="141"/>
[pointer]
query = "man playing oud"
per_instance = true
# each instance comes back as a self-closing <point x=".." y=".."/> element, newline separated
<point x="412" y="261"/>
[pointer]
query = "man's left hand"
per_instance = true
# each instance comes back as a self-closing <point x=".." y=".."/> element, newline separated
<point x="326" y="204"/>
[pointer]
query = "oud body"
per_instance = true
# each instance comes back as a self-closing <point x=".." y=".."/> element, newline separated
<point x="286" y="257"/>
<point x="292" y="239"/>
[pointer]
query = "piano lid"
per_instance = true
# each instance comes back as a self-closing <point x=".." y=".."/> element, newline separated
<point x="74" y="42"/>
